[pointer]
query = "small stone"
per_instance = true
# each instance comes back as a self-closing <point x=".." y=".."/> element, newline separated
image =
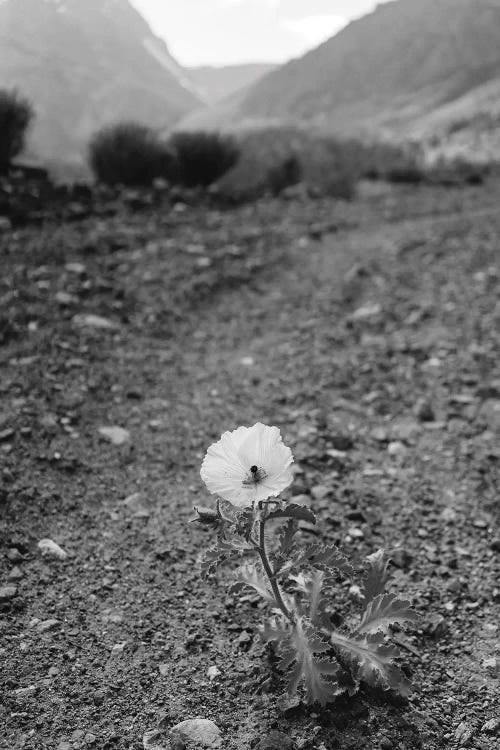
<point x="7" y="593"/>
<point x="247" y="361"/>
<point x="492" y="665"/>
<point x="320" y="491"/>
<point x="115" y="435"/>
<point x="6" y="435"/>
<point x="213" y="672"/>
<point x="90" y="738"/>
<point x="401" y="557"/>
<point x="495" y="545"/>
<point x="46" y="625"/>
<point x="15" y="574"/>
<point x="154" y="739"/>
<point x="491" y="727"/>
<point x="396" y="448"/>
<point x="386" y="744"/>
<point x="164" y="669"/>
<point x="65" y="746"/>
<point x="14" y="555"/>
<point x="65" y="299"/>
<point x="77" y="268"/>
<point x="436" y="626"/>
<point x="197" y="733"/>
<point x="356" y="533"/>
<point x="94" y="321"/>
<point x="276" y="741"/>
<point x="26" y="692"/>
<point x="50" y="549"/>
<point x="367" y="311"/>
<point x="464" y="733"/>
<point x="379" y="434"/>
<point x="424" y="411"/>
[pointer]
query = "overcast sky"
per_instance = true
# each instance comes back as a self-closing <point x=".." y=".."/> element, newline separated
<point x="221" y="32"/>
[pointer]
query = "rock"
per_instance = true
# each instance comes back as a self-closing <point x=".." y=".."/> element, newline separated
<point x="367" y="311"/>
<point x="64" y="746"/>
<point x="50" y="549"/>
<point x="194" y="734"/>
<point x="15" y="574"/>
<point x="115" y="435"/>
<point x="154" y="739"/>
<point x="464" y="733"/>
<point x="46" y="625"/>
<point x="6" y="435"/>
<point x="213" y="672"/>
<point x="492" y="665"/>
<point x="276" y="741"/>
<point x="386" y="744"/>
<point x="491" y="727"/>
<point x="401" y="557"/>
<point x="424" y="411"/>
<point x="7" y="593"/>
<point x="436" y="626"/>
<point x="320" y="491"/>
<point x="65" y="299"/>
<point x="495" y="545"/>
<point x="135" y="504"/>
<point x="77" y="268"/>
<point x="95" y="321"/>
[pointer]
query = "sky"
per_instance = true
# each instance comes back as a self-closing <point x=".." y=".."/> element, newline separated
<point x="224" y="32"/>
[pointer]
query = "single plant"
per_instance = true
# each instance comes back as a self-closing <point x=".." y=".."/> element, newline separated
<point x="247" y="468"/>
<point x="201" y="158"/>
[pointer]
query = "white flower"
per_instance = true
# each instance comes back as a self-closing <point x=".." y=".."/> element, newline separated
<point x="248" y="465"/>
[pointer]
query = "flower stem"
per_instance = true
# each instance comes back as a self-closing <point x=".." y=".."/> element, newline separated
<point x="267" y="567"/>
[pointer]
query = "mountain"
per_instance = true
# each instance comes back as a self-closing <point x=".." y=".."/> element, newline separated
<point x="86" y="63"/>
<point x="217" y="83"/>
<point x="390" y="71"/>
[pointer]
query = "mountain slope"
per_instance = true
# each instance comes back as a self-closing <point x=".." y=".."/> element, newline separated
<point x="84" y="64"/>
<point x="387" y="69"/>
<point x="217" y="83"/>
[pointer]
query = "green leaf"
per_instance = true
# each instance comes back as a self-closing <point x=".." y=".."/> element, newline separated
<point x="223" y="550"/>
<point x="276" y="629"/>
<point x="385" y="610"/>
<point x="325" y="557"/>
<point x="304" y="643"/>
<point x="312" y="587"/>
<point x="252" y="575"/>
<point x="298" y="512"/>
<point x="211" y="560"/>
<point x="376" y="576"/>
<point x="371" y="661"/>
<point x="245" y="523"/>
<point x="286" y="538"/>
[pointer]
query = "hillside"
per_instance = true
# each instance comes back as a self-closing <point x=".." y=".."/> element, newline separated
<point x="84" y="65"/>
<point x="216" y="83"/>
<point x="387" y="70"/>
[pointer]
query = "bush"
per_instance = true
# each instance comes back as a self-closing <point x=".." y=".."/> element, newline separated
<point x="16" y="114"/>
<point x="284" y="174"/>
<point x="201" y="157"/>
<point x="130" y="154"/>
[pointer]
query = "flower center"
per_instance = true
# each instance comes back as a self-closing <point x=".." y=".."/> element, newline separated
<point x="254" y="476"/>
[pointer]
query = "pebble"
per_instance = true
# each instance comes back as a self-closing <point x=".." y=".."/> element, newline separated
<point x="94" y="321"/>
<point x="202" y="733"/>
<point x="15" y="574"/>
<point x="154" y="739"/>
<point x="46" y="625"/>
<point x="115" y="435"/>
<point x="386" y="744"/>
<point x="424" y="411"/>
<point x="7" y="592"/>
<point x="491" y="727"/>
<point x="320" y="491"/>
<point x="6" y="435"/>
<point x="492" y="665"/>
<point x="495" y="545"/>
<point x="367" y="311"/>
<point x="49" y="548"/>
<point x="276" y="741"/>
<point x="464" y="733"/>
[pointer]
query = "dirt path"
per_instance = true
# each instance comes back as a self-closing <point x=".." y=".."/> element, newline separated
<point x="374" y="348"/>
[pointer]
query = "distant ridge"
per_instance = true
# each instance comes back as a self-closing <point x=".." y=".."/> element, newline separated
<point x="85" y="63"/>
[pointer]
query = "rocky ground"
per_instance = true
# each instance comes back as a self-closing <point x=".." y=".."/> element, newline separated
<point x="369" y="332"/>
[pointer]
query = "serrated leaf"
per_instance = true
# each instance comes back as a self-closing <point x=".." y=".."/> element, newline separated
<point x="286" y="538"/>
<point x="304" y="643"/>
<point x="312" y="587"/>
<point x="276" y="629"/>
<point x="211" y="560"/>
<point x="223" y="550"/>
<point x="377" y="575"/>
<point x="251" y="575"/>
<point x="371" y="661"/>
<point x="385" y="610"/>
<point x="245" y="523"/>
<point x="325" y="557"/>
<point x="298" y="512"/>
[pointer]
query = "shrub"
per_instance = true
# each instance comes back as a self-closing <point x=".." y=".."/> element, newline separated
<point x="128" y="153"/>
<point x="284" y="174"/>
<point x="16" y="114"/>
<point x="202" y="157"/>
